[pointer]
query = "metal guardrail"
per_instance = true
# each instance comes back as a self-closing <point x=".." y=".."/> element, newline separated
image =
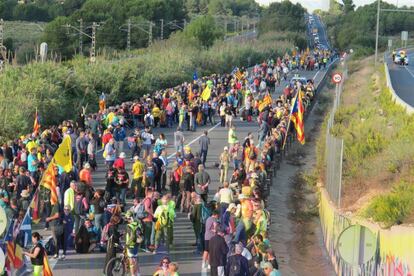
<point x="408" y="108"/>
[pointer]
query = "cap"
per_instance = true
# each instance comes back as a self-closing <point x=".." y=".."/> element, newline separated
<point x="122" y="155"/>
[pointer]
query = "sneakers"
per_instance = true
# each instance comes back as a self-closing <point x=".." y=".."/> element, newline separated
<point x="62" y="257"/>
<point x="56" y="256"/>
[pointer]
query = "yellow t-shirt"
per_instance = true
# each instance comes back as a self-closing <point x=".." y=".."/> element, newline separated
<point x="137" y="169"/>
<point x="156" y="112"/>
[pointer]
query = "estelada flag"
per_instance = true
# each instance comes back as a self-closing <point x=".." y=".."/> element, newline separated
<point x="206" y="94"/>
<point x="49" y="181"/>
<point x="36" y="124"/>
<point x="297" y="118"/>
<point x="47" y="271"/>
<point x="63" y="155"/>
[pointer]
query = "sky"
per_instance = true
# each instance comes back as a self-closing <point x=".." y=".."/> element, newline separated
<point x="323" y="4"/>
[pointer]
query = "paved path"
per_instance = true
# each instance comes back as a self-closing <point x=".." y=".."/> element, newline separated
<point x="190" y="264"/>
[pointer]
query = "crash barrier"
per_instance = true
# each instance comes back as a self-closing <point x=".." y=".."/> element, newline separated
<point x="408" y="108"/>
<point x="392" y="248"/>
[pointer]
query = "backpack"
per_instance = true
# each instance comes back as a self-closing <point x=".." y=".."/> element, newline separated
<point x="205" y="213"/>
<point x="141" y="213"/>
<point x="78" y="209"/>
<point x="50" y="247"/>
<point x="136" y="232"/>
<point x="235" y="268"/>
<point x="163" y="218"/>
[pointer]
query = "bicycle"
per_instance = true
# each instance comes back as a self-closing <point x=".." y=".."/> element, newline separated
<point x="118" y="265"/>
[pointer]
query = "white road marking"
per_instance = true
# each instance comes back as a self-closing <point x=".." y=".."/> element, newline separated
<point x="408" y="70"/>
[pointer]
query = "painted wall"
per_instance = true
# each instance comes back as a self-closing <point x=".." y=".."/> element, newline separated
<point x="395" y="246"/>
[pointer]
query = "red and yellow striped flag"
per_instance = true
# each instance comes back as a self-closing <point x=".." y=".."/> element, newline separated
<point x="239" y="75"/>
<point x="47" y="271"/>
<point x="14" y="255"/>
<point x="267" y="100"/>
<point x="49" y="181"/>
<point x="36" y="124"/>
<point x="297" y="118"/>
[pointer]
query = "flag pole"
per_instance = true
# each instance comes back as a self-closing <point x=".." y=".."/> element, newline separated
<point x="290" y="119"/>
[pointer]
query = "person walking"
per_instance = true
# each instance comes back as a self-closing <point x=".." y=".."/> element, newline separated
<point x="263" y="131"/>
<point x="237" y="265"/>
<point x="110" y="153"/>
<point x="204" y="141"/>
<point x="179" y="140"/>
<point x="218" y="253"/>
<point x="137" y="173"/>
<point x="224" y="164"/>
<point x="36" y="254"/>
<point x="81" y="149"/>
<point x="202" y="180"/>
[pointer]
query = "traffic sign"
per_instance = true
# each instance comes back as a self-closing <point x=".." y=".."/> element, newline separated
<point x="337" y="78"/>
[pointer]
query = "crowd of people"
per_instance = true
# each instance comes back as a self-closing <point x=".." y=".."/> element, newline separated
<point x="231" y="227"/>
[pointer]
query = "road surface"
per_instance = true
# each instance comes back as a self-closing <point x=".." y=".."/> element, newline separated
<point x="402" y="78"/>
<point x="182" y="252"/>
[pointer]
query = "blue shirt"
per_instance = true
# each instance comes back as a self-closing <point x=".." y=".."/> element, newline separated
<point x="30" y="166"/>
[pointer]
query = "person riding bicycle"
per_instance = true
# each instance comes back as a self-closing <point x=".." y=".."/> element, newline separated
<point x="132" y="241"/>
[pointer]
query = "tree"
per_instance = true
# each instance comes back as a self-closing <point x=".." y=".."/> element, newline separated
<point x="58" y="37"/>
<point x="348" y="6"/>
<point x="204" y="30"/>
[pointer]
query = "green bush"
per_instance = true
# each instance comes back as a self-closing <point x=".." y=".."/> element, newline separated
<point x="393" y="207"/>
<point x="59" y="90"/>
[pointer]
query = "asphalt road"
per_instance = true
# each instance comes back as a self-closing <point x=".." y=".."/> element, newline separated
<point x="182" y="252"/>
<point x="402" y="79"/>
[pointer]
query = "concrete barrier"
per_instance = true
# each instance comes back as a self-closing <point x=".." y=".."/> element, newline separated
<point x="395" y="246"/>
<point x="408" y="108"/>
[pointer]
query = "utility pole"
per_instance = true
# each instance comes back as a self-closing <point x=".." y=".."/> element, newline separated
<point x="93" y="46"/>
<point x="162" y="29"/>
<point x="185" y="22"/>
<point x="129" y="36"/>
<point x="225" y="25"/>
<point x="377" y="32"/>
<point x="1" y="31"/>
<point x="235" y="25"/>
<point x="80" y="36"/>
<point x="150" y="34"/>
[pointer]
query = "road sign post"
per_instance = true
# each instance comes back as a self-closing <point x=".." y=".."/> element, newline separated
<point x="404" y="38"/>
<point x="336" y="78"/>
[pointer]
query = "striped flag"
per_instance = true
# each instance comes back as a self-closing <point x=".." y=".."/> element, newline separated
<point x="36" y="124"/>
<point x="267" y="100"/>
<point x="297" y="118"/>
<point x="34" y="205"/>
<point x="49" y="182"/>
<point x="14" y="255"/>
<point x="47" y="271"/>
<point x="239" y="75"/>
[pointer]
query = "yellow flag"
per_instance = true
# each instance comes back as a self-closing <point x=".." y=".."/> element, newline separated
<point x="267" y="100"/>
<point x="63" y="155"/>
<point x="206" y="94"/>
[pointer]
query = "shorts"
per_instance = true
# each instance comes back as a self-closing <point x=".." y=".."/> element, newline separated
<point x="206" y="242"/>
<point x="132" y="252"/>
